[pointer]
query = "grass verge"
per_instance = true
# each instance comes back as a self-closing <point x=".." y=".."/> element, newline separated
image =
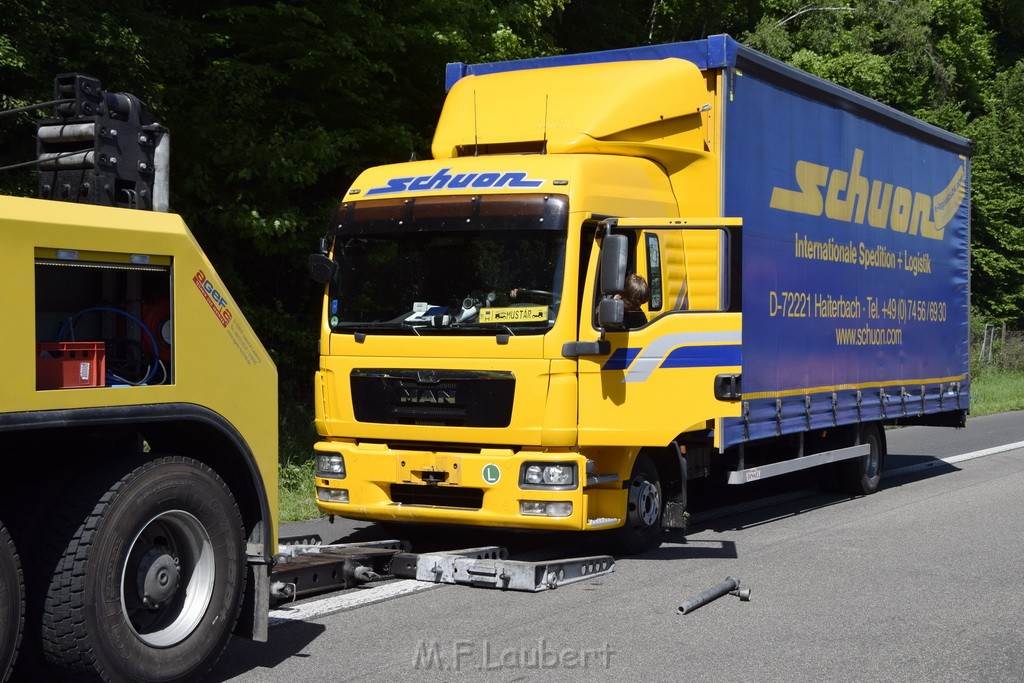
<point x="296" y="496"/>
<point x="997" y="390"/>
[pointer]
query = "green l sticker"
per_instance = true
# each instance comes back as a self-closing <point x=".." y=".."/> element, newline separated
<point x="491" y="474"/>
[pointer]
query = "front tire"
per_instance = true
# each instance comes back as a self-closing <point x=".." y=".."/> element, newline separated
<point x="149" y="584"/>
<point x="645" y="506"/>
<point x="12" y="603"/>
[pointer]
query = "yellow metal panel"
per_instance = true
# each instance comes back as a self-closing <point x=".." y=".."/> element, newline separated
<point x="577" y="108"/>
<point x="643" y="401"/>
<point x="559" y="426"/>
<point x="704" y="268"/>
<point x="535" y="417"/>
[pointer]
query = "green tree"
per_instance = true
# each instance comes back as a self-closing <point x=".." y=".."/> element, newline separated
<point x="929" y="58"/>
<point x="997" y="194"/>
<point x="128" y="46"/>
<point x="588" y="25"/>
<point x="1006" y="19"/>
<point x="676" y="20"/>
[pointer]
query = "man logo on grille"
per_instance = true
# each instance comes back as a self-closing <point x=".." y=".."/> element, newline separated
<point x="425" y="396"/>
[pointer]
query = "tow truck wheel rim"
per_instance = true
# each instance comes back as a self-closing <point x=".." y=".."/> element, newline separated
<point x="167" y="581"/>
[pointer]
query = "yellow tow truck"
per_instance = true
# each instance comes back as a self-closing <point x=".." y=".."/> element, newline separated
<point x="138" y="417"/>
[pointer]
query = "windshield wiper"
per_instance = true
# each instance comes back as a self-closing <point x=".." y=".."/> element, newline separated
<point x="349" y="326"/>
<point x="399" y="323"/>
<point x="495" y="328"/>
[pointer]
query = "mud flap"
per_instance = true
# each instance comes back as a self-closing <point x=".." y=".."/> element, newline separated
<point x="674" y="515"/>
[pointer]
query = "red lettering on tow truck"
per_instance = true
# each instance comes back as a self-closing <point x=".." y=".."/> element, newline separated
<point x="218" y="304"/>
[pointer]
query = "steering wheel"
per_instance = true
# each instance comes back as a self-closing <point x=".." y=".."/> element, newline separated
<point x="535" y="292"/>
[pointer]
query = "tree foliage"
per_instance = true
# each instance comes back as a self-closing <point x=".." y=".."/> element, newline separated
<point x="929" y="58"/>
<point x="998" y="199"/>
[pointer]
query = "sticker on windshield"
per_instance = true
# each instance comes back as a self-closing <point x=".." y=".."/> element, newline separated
<point x="514" y="314"/>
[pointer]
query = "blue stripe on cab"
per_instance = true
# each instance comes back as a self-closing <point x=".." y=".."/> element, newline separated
<point x="621" y="359"/>
<point x="703" y="356"/>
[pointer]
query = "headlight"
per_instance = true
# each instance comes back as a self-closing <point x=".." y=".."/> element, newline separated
<point x="330" y="466"/>
<point x="558" y="475"/>
<point x="548" y="475"/>
<point x="540" y="508"/>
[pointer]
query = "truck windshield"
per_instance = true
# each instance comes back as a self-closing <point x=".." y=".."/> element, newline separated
<point x="489" y="264"/>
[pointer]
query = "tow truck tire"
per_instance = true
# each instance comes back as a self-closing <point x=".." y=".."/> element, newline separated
<point x="149" y="584"/>
<point x="645" y="507"/>
<point x="861" y="476"/>
<point x="12" y="603"/>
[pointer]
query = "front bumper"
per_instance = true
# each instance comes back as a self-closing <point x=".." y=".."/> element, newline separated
<point x="473" y="487"/>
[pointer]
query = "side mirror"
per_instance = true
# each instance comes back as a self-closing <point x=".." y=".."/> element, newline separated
<point x="322" y="269"/>
<point x="611" y="313"/>
<point x="614" y="252"/>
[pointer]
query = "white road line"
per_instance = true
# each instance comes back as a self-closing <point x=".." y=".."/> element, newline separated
<point x="782" y="498"/>
<point x="953" y="459"/>
<point x="348" y="601"/>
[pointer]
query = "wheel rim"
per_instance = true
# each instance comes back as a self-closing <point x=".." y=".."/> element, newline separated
<point x="648" y="503"/>
<point x="168" y="578"/>
<point x="872" y="461"/>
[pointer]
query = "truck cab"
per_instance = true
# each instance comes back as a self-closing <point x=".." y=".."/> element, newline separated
<point x="468" y="374"/>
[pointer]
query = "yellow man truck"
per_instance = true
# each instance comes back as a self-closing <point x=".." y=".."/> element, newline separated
<point x="138" y="418"/>
<point x="806" y="256"/>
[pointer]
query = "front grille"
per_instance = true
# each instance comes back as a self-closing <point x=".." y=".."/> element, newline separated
<point x="440" y="496"/>
<point x="455" y="398"/>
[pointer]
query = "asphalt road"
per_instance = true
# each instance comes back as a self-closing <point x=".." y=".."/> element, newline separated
<point x="919" y="582"/>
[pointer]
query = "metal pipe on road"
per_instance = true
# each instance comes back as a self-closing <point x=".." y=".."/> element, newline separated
<point x="730" y="585"/>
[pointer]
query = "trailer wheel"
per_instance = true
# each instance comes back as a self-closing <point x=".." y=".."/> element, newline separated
<point x="861" y="476"/>
<point x="149" y="585"/>
<point x="644" y="509"/>
<point x="12" y="603"/>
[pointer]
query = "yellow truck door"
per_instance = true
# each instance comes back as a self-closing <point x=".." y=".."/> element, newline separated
<point x="649" y="383"/>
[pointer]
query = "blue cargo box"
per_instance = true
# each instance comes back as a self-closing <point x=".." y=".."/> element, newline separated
<point x="855" y="245"/>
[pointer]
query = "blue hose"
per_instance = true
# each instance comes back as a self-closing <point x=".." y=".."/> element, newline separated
<point x="110" y="309"/>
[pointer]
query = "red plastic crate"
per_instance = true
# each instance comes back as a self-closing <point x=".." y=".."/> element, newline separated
<point x="70" y="365"/>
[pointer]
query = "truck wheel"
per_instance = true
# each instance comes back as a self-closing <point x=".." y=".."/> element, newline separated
<point x="149" y="585"/>
<point x="12" y="603"/>
<point x="861" y="476"/>
<point x="644" y="509"/>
